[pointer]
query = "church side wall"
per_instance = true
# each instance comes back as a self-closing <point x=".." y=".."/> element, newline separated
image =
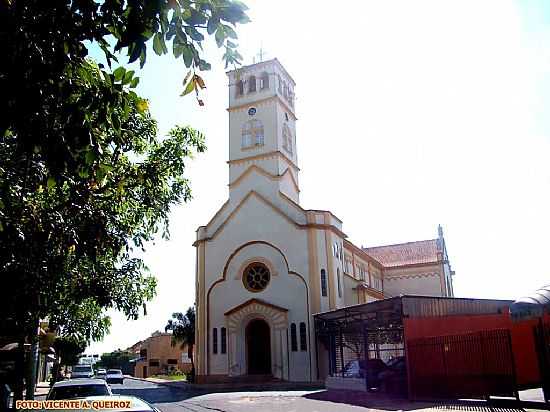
<point x="419" y="280"/>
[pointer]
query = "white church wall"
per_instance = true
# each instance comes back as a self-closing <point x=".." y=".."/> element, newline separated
<point x="350" y="294"/>
<point x="257" y="221"/>
<point x="266" y="112"/>
<point x="323" y="264"/>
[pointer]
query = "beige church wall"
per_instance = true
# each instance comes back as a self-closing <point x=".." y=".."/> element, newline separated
<point x="291" y="123"/>
<point x="420" y="280"/>
<point x="268" y="163"/>
<point x="322" y="264"/>
<point x="257" y="221"/>
<point x="350" y="295"/>
<point x="288" y="188"/>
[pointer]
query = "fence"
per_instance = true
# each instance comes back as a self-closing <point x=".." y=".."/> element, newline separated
<point x="542" y="346"/>
<point x="473" y="365"/>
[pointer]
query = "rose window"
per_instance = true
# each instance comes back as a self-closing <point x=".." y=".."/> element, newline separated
<point x="256" y="277"/>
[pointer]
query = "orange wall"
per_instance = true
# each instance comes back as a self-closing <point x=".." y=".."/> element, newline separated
<point x="523" y="344"/>
<point x="160" y="348"/>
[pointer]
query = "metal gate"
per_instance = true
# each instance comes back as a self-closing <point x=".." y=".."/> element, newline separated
<point x="472" y="365"/>
<point x="542" y="346"/>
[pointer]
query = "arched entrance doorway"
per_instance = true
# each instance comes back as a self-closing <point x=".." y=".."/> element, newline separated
<point x="258" y="347"/>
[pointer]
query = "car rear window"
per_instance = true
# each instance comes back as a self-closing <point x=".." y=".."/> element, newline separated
<point x="82" y="368"/>
<point x="77" y="391"/>
<point x="114" y="372"/>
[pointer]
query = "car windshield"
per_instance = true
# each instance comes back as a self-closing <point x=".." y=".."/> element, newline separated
<point x="83" y="368"/>
<point x="114" y="372"/>
<point x="77" y="391"/>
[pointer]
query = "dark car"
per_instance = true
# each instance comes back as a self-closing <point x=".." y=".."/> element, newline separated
<point x="369" y="369"/>
<point x="394" y="378"/>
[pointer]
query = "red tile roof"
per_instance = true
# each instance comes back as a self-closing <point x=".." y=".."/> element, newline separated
<point x="411" y="253"/>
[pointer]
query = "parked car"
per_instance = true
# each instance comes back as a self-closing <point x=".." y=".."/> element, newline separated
<point x="369" y="369"/>
<point x="82" y="371"/>
<point x="100" y="373"/>
<point x="114" y="376"/>
<point x="79" y="388"/>
<point x="394" y="378"/>
<point x="136" y="404"/>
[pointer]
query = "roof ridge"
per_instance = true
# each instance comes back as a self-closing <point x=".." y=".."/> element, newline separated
<point x="398" y="244"/>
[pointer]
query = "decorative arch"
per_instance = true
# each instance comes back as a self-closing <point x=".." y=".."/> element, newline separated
<point x="224" y="277"/>
<point x="240" y="88"/>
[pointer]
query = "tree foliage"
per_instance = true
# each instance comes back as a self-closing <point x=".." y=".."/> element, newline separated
<point x="182" y="327"/>
<point x="84" y="179"/>
<point x="68" y="349"/>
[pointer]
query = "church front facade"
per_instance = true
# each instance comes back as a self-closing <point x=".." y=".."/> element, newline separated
<point x="265" y="265"/>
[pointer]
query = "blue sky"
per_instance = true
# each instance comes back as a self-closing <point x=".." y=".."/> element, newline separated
<point x="411" y="114"/>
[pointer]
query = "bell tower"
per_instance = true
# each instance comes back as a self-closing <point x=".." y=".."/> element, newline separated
<point x="262" y="130"/>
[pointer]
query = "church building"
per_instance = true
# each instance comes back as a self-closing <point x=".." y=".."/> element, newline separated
<point x="265" y="265"/>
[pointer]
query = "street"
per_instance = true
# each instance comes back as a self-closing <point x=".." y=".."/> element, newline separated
<point x="171" y="399"/>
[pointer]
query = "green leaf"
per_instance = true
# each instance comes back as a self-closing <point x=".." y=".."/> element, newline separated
<point x="187" y="56"/>
<point x="212" y="24"/>
<point x="119" y="73"/>
<point x="157" y="44"/>
<point x="194" y="33"/>
<point x="190" y="87"/>
<point x="51" y="182"/>
<point x="90" y="157"/>
<point x="128" y="77"/>
<point x="187" y="76"/>
<point x="134" y="82"/>
<point x="220" y="35"/>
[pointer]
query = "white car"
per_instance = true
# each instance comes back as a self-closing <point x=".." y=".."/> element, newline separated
<point x="82" y="371"/>
<point x="79" y="388"/>
<point x="114" y="376"/>
<point x="100" y="374"/>
<point x="133" y="404"/>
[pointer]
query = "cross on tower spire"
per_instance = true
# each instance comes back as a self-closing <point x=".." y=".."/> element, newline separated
<point x="260" y="55"/>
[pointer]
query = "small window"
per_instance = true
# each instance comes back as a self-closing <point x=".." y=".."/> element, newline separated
<point x="224" y="340"/>
<point x="215" y="340"/>
<point x="339" y="283"/>
<point x="154" y="362"/>
<point x="251" y="84"/>
<point x="303" y="337"/>
<point x="323" y="282"/>
<point x="264" y="81"/>
<point x="293" y="338"/>
<point x="287" y="139"/>
<point x="280" y="84"/>
<point x="172" y="361"/>
<point x="240" y="88"/>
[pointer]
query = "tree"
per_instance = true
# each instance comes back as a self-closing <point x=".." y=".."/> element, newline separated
<point x="117" y="360"/>
<point x="183" y="332"/>
<point x="67" y="349"/>
<point x="84" y="180"/>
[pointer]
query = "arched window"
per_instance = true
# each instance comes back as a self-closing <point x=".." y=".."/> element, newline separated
<point x="303" y="337"/>
<point x="240" y="88"/>
<point x="215" y="340"/>
<point x="323" y="282"/>
<point x="252" y="134"/>
<point x="280" y="84"/>
<point x="339" y="283"/>
<point x="264" y="81"/>
<point x="287" y="138"/>
<point x="251" y="84"/>
<point x="293" y="338"/>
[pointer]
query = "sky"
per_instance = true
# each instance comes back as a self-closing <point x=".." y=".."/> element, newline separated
<point x="410" y="115"/>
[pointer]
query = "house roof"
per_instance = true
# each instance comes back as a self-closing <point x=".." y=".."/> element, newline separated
<point x="410" y="253"/>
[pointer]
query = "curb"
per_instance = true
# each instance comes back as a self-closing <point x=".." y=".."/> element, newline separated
<point x="173" y="384"/>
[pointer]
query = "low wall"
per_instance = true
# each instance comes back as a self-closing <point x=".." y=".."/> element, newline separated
<point x="350" y="384"/>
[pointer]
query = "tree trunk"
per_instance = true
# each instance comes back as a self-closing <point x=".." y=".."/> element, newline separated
<point x="190" y="355"/>
<point x="19" y="383"/>
<point x="32" y="359"/>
